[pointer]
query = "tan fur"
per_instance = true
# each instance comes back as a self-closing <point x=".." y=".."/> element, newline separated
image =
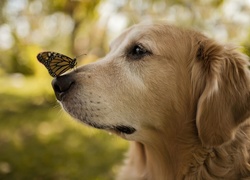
<point x="189" y="101"/>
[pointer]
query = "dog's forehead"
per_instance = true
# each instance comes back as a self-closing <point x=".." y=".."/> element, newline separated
<point x="133" y="33"/>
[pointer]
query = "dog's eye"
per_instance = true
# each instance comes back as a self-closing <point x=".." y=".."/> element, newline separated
<point x="138" y="52"/>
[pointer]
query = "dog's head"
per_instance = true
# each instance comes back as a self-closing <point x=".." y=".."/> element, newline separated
<point x="160" y="78"/>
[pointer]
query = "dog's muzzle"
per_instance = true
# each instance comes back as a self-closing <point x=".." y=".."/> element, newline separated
<point x="63" y="84"/>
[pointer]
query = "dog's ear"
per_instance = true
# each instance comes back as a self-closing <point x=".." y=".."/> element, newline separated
<point x="222" y="81"/>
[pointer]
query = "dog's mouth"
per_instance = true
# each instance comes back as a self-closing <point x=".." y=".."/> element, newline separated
<point x="118" y="129"/>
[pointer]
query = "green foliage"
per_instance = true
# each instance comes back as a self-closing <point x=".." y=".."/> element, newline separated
<point x="247" y="48"/>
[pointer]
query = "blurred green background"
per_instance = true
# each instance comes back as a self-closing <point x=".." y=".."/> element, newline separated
<point x="37" y="139"/>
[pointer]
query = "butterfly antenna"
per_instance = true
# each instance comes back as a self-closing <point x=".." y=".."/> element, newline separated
<point x="80" y="55"/>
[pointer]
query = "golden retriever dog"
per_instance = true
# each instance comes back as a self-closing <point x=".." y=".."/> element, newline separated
<point x="181" y="98"/>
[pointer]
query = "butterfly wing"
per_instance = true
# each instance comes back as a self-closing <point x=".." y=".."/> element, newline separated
<point x="56" y="63"/>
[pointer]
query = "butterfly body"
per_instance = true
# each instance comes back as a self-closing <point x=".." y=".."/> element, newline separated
<point x="56" y="63"/>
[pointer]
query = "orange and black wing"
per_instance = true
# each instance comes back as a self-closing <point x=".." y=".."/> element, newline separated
<point x="56" y="63"/>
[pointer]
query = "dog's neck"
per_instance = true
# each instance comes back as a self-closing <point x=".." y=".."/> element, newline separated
<point x="162" y="158"/>
<point x="184" y="156"/>
<point x="169" y="151"/>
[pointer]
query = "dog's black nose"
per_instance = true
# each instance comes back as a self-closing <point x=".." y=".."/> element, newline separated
<point x="62" y="85"/>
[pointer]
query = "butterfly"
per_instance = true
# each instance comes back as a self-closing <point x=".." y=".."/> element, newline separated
<point x="56" y="63"/>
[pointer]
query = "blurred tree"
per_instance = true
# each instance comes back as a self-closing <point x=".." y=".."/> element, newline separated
<point x="49" y="24"/>
<point x="227" y="20"/>
<point x="74" y="27"/>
